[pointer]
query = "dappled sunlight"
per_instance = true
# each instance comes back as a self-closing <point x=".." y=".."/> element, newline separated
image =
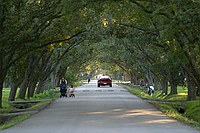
<point x="139" y="112"/>
<point x="182" y="94"/>
<point x="116" y="110"/>
<point x="161" y="121"/>
<point x="127" y="117"/>
<point x="145" y="112"/>
<point x="95" y="113"/>
<point x="122" y="113"/>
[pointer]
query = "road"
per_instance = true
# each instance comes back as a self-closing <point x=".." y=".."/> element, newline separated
<point x="100" y="110"/>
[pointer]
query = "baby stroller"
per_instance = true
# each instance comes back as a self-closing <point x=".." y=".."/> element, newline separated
<point x="63" y="90"/>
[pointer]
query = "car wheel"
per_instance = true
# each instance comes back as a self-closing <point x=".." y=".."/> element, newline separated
<point x="98" y="85"/>
<point x="110" y="85"/>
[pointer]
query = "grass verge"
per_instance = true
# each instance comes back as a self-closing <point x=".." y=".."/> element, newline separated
<point x="9" y="120"/>
<point x="170" y="104"/>
<point x="14" y="121"/>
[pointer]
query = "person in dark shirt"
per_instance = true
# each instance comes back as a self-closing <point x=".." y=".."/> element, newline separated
<point x="63" y="86"/>
<point x="88" y="78"/>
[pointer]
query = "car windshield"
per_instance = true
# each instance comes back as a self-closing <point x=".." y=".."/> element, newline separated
<point x="104" y="77"/>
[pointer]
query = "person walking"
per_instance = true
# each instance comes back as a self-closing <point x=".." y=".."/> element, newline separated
<point x="63" y="86"/>
<point x="88" y="78"/>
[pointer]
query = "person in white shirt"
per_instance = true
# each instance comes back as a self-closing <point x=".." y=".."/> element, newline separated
<point x="150" y="90"/>
<point x="71" y="91"/>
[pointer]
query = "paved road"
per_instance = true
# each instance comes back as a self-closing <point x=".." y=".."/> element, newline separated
<point x="100" y="110"/>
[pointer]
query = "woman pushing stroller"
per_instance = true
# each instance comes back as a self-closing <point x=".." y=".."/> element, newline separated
<point x="63" y="87"/>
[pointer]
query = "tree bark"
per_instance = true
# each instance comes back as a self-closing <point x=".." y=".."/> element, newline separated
<point x="31" y="88"/>
<point x="198" y="92"/>
<point x="134" y="78"/>
<point x="43" y="87"/>
<point x="23" y="88"/>
<point x="2" y="6"/>
<point x="1" y="78"/>
<point x="3" y="73"/>
<point x="191" y="89"/>
<point x="164" y="87"/>
<point x="173" y="89"/>
<point x="53" y="80"/>
<point x="40" y="86"/>
<point x="1" y="90"/>
<point x="13" y="91"/>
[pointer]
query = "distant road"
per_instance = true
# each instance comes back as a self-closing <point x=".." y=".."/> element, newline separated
<point x="100" y="110"/>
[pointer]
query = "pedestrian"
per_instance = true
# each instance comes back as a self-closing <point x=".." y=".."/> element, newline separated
<point x="71" y="91"/>
<point x="88" y="78"/>
<point x="150" y="90"/>
<point x="63" y="87"/>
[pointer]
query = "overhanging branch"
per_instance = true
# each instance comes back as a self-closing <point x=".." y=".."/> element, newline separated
<point x="42" y="46"/>
<point x="141" y="29"/>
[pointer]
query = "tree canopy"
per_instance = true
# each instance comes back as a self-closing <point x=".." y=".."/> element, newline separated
<point x="42" y="40"/>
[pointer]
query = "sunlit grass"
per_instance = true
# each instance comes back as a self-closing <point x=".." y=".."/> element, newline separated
<point x="41" y="104"/>
<point x="6" y="105"/>
<point x="47" y="94"/>
<point x="169" y="110"/>
<point x="170" y="103"/>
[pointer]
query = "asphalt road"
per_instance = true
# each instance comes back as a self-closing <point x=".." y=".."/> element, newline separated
<point x="100" y="110"/>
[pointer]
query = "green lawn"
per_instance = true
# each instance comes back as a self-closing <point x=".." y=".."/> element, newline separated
<point x="48" y="94"/>
<point x="5" y="103"/>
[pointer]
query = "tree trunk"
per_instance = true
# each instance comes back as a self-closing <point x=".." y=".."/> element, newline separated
<point x="23" y="88"/>
<point x="40" y="87"/>
<point x="192" y="79"/>
<point x="53" y="80"/>
<point x="173" y="89"/>
<point x="3" y="73"/>
<point x="133" y="77"/>
<point x="198" y="92"/>
<point x="1" y="90"/>
<point x="164" y="87"/>
<point x="13" y="91"/>
<point x="1" y="78"/>
<point x="191" y="89"/>
<point x="31" y="89"/>
<point x="43" y="87"/>
<point x="157" y="85"/>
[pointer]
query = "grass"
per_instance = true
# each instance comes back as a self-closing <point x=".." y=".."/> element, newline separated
<point x="14" y="121"/>
<point x="46" y="97"/>
<point x="169" y="104"/>
<point x="6" y="106"/>
<point x="193" y="109"/>
<point x="41" y="105"/>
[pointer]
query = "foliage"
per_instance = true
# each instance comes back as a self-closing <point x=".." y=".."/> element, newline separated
<point x="155" y="41"/>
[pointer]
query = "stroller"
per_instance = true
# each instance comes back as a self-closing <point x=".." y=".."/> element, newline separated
<point x="63" y="90"/>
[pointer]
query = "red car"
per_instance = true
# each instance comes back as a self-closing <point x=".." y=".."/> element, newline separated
<point x="104" y="80"/>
